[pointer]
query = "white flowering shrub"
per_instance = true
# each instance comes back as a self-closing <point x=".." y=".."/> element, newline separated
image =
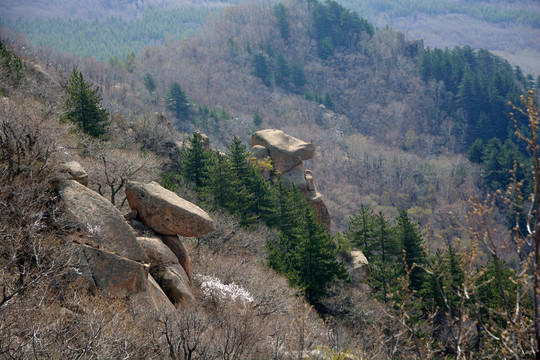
<point x="212" y="287"/>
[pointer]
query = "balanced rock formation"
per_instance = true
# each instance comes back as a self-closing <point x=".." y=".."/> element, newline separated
<point x="97" y="222"/>
<point x="286" y="151"/>
<point x="168" y="216"/>
<point x="167" y="213"/>
<point x="287" y="154"/>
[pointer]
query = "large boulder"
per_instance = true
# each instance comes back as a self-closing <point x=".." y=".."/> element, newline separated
<point x="167" y="213"/>
<point x="174" y="282"/>
<point x="286" y="151"/>
<point x="178" y="248"/>
<point x="75" y="171"/>
<point x="98" y="222"/>
<point x="118" y="275"/>
<point x="296" y="176"/>
<point x="153" y="300"/>
<point x="157" y="251"/>
<point x="166" y="268"/>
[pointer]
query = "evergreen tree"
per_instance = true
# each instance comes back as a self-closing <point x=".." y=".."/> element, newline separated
<point x="316" y="265"/>
<point x="282" y="15"/>
<point x="83" y="106"/>
<point x="177" y="101"/>
<point x="298" y="76"/>
<point x="257" y="119"/>
<point x="281" y="73"/>
<point x="361" y="229"/>
<point x="149" y="83"/>
<point x="260" y="68"/>
<point x="220" y="181"/>
<point x="409" y="236"/>
<point x="130" y="62"/>
<point x="194" y="161"/>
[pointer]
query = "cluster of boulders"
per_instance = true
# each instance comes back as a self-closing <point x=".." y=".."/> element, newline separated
<point x="141" y="255"/>
<point x="287" y="155"/>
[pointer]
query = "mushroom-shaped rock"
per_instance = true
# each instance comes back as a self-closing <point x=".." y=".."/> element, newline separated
<point x="116" y="274"/>
<point x="167" y="213"/>
<point x="285" y="150"/>
<point x="76" y="171"/>
<point x="98" y="221"/>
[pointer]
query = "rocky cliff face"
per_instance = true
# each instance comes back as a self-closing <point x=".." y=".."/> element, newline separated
<point x="287" y="154"/>
<point x="142" y="258"/>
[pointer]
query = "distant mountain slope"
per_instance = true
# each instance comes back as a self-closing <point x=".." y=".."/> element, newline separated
<point x="511" y="29"/>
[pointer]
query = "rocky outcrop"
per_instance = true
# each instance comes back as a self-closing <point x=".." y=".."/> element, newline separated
<point x="168" y="216"/>
<point x="151" y="271"/>
<point x="118" y="275"/>
<point x="166" y="268"/>
<point x="167" y="213"/>
<point x="286" y="151"/>
<point x="97" y="222"/>
<point x="178" y="248"/>
<point x="153" y="300"/>
<point x="359" y="266"/>
<point x="75" y="171"/>
<point x="287" y="155"/>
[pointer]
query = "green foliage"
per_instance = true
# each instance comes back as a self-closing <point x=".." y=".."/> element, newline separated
<point x="83" y="107"/>
<point x="372" y="234"/>
<point x="304" y="251"/>
<point x="194" y="163"/>
<point x="281" y="70"/>
<point x="130" y="62"/>
<point x="260" y="68"/>
<point x="282" y="15"/>
<point x="328" y="102"/>
<point x="409" y="235"/>
<point x="177" y="101"/>
<point x="444" y="282"/>
<point x="149" y="83"/>
<point x="14" y="65"/>
<point x="113" y="36"/>
<point x="257" y="119"/>
<point x="298" y="76"/>
<point x="333" y="25"/>
<point x="482" y="84"/>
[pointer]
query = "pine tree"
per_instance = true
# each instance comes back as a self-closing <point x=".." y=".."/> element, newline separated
<point x="260" y="68"/>
<point x="409" y="236"/>
<point x="149" y="83"/>
<point x="361" y="229"/>
<point x="194" y="161"/>
<point x="220" y="181"/>
<point x="281" y="73"/>
<point x="177" y="101"/>
<point x="282" y="15"/>
<point x="83" y="106"/>
<point x="316" y="265"/>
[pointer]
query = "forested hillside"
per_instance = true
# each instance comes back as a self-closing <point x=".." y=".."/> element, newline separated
<point x="423" y="156"/>
<point x="508" y="28"/>
<point x="397" y="119"/>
